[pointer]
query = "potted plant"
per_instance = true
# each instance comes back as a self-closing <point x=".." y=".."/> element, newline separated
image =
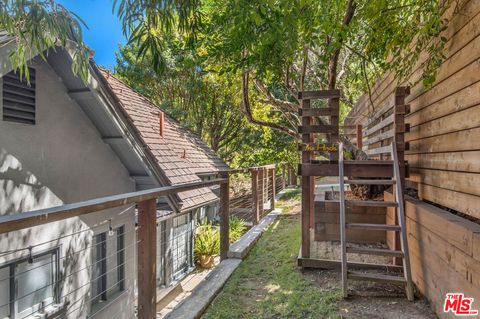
<point x="207" y="244"/>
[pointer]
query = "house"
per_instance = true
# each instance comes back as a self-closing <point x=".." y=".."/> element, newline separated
<point x="64" y="141"/>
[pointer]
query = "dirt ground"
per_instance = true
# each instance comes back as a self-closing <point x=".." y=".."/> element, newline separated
<point x="371" y="300"/>
<point x="367" y="300"/>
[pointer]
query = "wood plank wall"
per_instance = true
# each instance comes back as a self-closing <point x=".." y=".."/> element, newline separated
<point x="444" y="135"/>
<point x="444" y="253"/>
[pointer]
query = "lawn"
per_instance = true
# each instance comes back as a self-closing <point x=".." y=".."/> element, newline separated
<point x="268" y="283"/>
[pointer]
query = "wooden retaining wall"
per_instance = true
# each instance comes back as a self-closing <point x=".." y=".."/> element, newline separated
<point x="444" y="137"/>
<point x="327" y="221"/>
<point x="444" y="253"/>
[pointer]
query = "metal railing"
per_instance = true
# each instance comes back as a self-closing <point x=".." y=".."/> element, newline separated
<point x="74" y="267"/>
<point x="253" y="190"/>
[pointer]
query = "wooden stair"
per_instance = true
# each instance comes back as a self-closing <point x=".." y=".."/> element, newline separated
<point x="356" y="275"/>
<point x="384" y="227"/>
<point x="370" y="203"/>
<point x="374" y="251"/>
<point x="370" y="181"/>
<point x="406" y="278"/>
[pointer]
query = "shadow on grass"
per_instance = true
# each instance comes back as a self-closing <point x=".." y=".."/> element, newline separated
<point x="268" y="283"/>
<point x="291" y="193"/>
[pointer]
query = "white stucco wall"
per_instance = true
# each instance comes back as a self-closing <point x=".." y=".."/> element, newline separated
<point x="62" y="159"/>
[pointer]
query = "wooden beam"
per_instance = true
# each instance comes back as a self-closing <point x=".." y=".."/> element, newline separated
<point x="224" y="216"/>
<point x="359" y="136"/>
<point x="307" y="192"/>
<point x="147" y="259"/>
<point x="273" y="189"/>
<point x="47" y="215"/>
<point x="318" y="147"/>
<point x="255" y="204"/>
<point x="351" y="169"/>
<point x="322" y="94"/>
<point x="331" y="129"/>
<point x="113" y="140"/>
<point x="336" y="265"/>
<point x="323" y="111"/>
<point x="334" y="103"/>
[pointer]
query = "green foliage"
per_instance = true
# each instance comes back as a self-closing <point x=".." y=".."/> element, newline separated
<point x="236" y="228"/>
<point x="206" y="241"/>
<point x="207" y="103"/>
<point x="274" y="39"/>
<point x="38" y="25"/>
<point x="147" y="22"/>
<point x="190" y="56"/>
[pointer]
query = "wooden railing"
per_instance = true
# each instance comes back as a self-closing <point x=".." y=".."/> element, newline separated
<point x="386" y="126"/>
<point x="147" y="228"/>
<point x="264" y="182"/>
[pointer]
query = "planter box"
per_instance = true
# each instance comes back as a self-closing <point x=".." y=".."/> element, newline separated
<point x="327" y="220"/>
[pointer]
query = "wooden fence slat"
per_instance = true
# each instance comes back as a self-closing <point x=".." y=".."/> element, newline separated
<point x="324" y="111"/>
<point x="327" y="129"/>
<point x="323" y="94"/>
<point x="385" y="122"/>
<point x="380" y="137"/>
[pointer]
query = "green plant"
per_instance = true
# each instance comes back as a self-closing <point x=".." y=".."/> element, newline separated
<point x="236" y="228"/>
<point x="207" y="240"/>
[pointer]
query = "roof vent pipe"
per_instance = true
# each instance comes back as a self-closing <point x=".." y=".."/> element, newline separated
<point x="161" y="116"/>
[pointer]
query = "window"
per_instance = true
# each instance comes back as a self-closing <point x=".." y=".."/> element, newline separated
<point x="108" y="265"/>
<point x="28" y="285"/>
<point x="18" y="100"/>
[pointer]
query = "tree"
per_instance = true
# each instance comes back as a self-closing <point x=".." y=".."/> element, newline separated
<point x="38" y="25"/>
<point x="204" y="102"/>
<point x="287" y="46"/>
<point x="35" y="26"/>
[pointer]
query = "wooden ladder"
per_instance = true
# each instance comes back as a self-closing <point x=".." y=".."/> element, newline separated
<point x="406" y="279"/>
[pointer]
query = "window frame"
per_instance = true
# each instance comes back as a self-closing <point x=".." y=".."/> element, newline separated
<point x="13" y="282"/>
<point x="101" y="282"/>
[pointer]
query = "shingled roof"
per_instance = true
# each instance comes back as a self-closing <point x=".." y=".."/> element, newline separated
<point x="179" y="153"/>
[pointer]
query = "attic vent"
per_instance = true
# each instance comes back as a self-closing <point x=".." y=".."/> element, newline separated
<point x="19" y="98"/>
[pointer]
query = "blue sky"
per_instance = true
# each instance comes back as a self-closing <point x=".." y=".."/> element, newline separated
<point x="105" y="30"/>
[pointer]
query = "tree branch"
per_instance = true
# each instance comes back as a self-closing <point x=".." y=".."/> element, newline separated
<point x="270" y="99"/>
<point x="248" y="111"/>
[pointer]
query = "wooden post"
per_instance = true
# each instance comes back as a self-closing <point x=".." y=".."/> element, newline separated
<point x="334" y="103"/>
<point x="261" y="188"/>
<point x="266" y="182"/>
<point x="146" y="258"/>
<point x="283" y="176"/>
<point x="273" y="189"/>
<point x="224" y="216"/>
<point x="312" y="202"/>
<point x="255" y="204"/>
<point x="399" y="139"/>
<point x="306" y="185"/>
<point x="359" y="137"/>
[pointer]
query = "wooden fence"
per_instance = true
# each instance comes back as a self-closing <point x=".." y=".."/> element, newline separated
<point x="444" y="137"/>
